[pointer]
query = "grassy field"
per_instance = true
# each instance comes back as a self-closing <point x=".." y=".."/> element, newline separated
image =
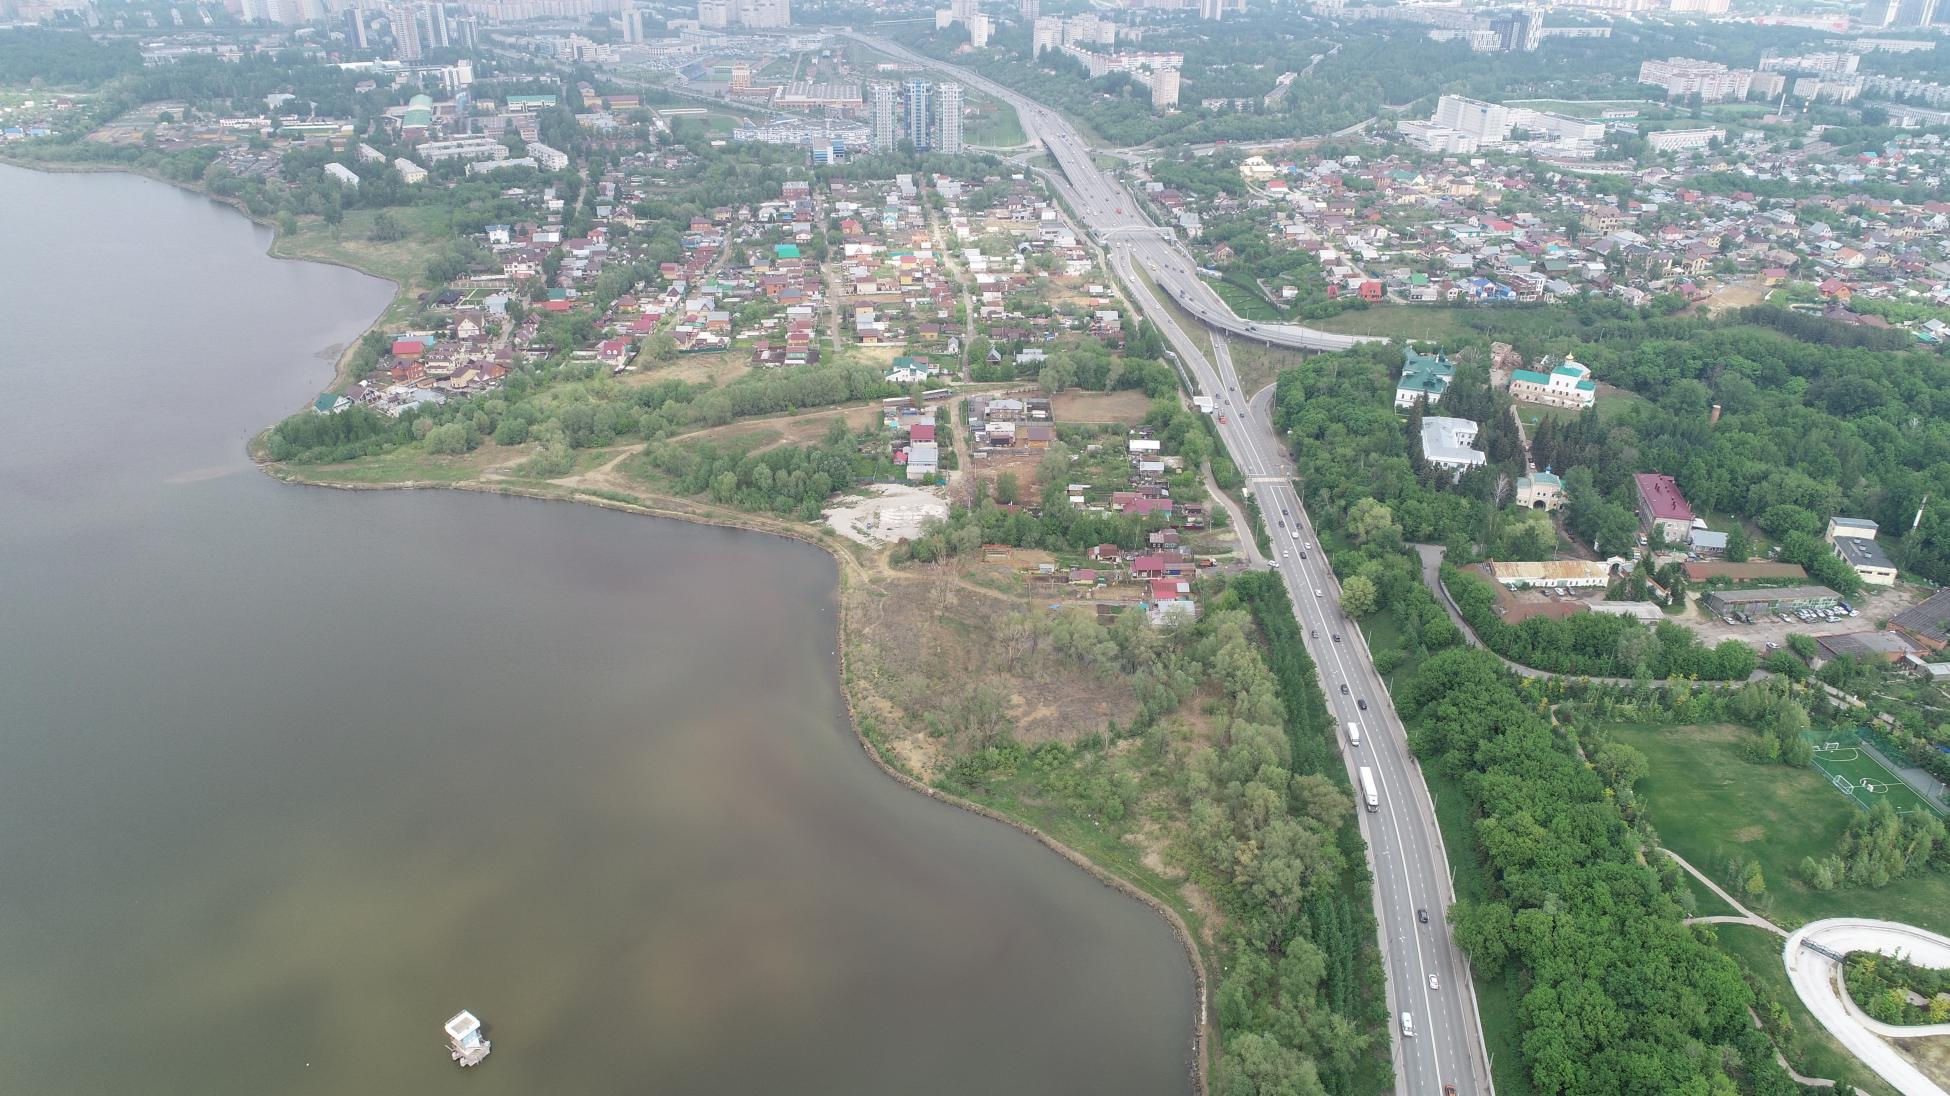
<point x="1709" y="802"/>
<point x="1258" y="365"/>
<point x="1246" y="303"/>
<point x="1403" y="321"/>
<point x="995" y="124"/>
<point x="1759" y="953"/>
<point x="403" y="260"/>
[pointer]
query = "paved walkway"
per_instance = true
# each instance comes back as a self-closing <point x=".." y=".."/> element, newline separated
<point x="1817" y="978"/>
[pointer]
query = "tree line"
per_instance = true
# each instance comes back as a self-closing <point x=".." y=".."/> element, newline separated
<point x="1617" y="995"/>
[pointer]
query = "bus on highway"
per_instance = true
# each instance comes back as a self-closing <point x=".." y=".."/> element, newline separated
<point x="1368" y="795"/>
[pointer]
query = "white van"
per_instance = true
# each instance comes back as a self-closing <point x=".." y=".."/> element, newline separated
<point x="1353" y="734"/>
<point x="1408" y="1024"/>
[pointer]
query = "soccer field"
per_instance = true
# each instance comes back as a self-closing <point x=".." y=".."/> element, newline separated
<point x="1863" y="777"/>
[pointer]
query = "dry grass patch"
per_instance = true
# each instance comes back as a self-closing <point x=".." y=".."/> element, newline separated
<point x="1128" y="407"/>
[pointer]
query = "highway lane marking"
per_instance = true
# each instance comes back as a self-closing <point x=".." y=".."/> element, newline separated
<point x="1394" y="820"/>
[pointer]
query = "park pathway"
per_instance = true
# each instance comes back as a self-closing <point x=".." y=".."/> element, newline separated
<point x="1747" y="916"/>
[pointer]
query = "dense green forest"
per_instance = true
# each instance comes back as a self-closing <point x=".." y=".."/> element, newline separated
<point x="1617" y="995"/>
<point x="63" y="58"/>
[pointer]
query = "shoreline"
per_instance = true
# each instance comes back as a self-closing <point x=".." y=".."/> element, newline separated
<point x="341" y="377"/>
<point x="847" y="572"/>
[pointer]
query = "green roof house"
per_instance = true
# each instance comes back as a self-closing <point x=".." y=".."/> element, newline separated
<point x="1568" y="385"/>
<point x="1424" y="377"/>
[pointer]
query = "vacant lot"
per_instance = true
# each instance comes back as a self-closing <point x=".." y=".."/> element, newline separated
<point x="713" y="369"/>
<point x="769" y="433"/>
<point x="1709" y="802"/>
<point x="1128" y="407"/>
<point x="1423" y="323"/>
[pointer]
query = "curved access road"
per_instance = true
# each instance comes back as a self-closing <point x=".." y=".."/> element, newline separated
<point x="1813" y="964"/>
<point x="1113" y="216"/>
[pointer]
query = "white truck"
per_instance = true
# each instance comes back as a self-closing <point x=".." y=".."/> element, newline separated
<point x="1369" y="796"/>
<point x="1354" y="734"/>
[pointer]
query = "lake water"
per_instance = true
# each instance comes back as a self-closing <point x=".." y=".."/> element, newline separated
<point x="288" y="776"/>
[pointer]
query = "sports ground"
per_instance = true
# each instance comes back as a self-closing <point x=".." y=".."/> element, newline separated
<point x="1861" y="775"/>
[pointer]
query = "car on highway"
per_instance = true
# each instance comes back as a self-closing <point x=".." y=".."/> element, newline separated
<point x="1337" y="637"/>
<point x="1408" y="1024"/>
<point x="1222" y="420"/>
<point x="1313" y="633"/>
<point x="1422" y="916"/>
<point x="1433" y="984"/>
<point x="1362" y="704"/>
<point x="1317" y="593"/>
<point x="1343" y="690"/>
<point x="1296" y="532"/>
<point x="1283" y="525"/>
<point x="1272" y="563"/>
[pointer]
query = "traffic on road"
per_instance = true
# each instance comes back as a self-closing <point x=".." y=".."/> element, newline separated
<point x="1439" y="1047"/>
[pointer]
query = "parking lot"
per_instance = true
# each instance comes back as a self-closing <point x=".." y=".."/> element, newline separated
<point x="1876" y="603"/>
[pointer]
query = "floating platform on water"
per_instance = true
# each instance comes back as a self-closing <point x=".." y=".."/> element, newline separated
<point x="464" y="1039"/>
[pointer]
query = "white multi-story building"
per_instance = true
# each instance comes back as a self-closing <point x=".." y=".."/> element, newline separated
<point x="1047" y="35"/>
<point x="880" y="114"/>
<point x="405" y="25"/>
<point x="633" y="20"/>
<point x="920" y="127"/>
<point x="1681" y="140"/>
<point x="1430" y="137"/>
<point x="1682" y="77"/>
<point x="482" y="167"/>
<point x="409" y="172"/>
<point x="948" y="132"/>
<point x="1164" y="89"/>
<point x="342" y="175"/>
<point x="549" y="159"/>
<point x="462" y="148"/>
<point x="714" y="14"/>
<point x="979" y="28"/>
<point x="765" y="14"/>
<point x="1487" y="123"/>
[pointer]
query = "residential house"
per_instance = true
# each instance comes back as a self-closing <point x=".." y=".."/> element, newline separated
<point x="1662" y="506"/>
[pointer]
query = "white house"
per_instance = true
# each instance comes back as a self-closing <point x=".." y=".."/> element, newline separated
<point x="1447" y="443"/>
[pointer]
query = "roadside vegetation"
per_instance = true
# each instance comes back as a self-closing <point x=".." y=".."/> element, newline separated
<point x="1617" y="995"/>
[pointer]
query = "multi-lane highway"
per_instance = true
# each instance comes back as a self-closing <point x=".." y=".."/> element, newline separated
<point x="1427" y="976"/>
<point x="1114" y="218"/>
